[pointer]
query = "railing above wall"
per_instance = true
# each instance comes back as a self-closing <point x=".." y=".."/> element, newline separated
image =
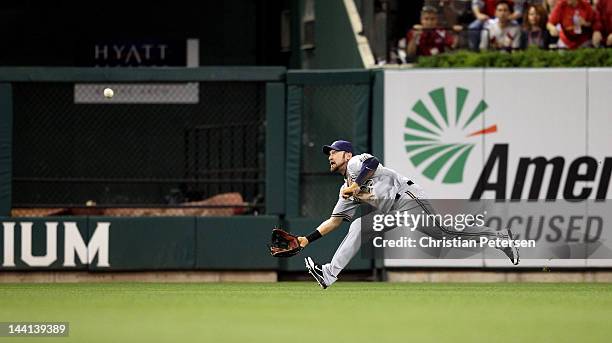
<point x="171" y="74"/>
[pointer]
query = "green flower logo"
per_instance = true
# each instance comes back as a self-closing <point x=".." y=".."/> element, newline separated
<point x="436" y="142"/>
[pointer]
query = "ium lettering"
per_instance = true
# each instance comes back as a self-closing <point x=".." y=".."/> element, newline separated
<point x="73" y="245"/>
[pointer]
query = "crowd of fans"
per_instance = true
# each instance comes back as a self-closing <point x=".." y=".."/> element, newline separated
<point x="512" y="25"/>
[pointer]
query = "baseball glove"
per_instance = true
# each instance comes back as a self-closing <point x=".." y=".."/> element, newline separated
<point x="283" y="244"/>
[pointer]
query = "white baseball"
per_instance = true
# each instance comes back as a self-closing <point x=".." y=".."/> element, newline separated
<point x="108" y="93"/>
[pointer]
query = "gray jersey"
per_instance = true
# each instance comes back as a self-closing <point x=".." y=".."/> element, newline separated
<point x="379" y="191"/>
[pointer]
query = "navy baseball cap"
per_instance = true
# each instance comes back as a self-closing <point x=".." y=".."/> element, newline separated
<point x="338" y="146"/>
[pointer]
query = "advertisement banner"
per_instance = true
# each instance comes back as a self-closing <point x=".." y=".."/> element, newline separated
<point x="599" y="139"/>
<point x="505" y="134"/>
<point x="432" y="117"/>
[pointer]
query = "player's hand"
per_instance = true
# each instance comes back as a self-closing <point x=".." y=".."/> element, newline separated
<point x="609" y="40"/>
<point x="303" y="241"/>
<point x="597" y="37"/>
<point x="553" y="31"/>
<point x="417" y="31"/>
<point x="350" y="191"/>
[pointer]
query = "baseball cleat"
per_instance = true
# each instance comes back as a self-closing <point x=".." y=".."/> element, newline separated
<point x="316" y="271"/>
<point x="512" y="251"/>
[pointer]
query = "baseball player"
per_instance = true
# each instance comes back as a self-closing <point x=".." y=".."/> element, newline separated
<point x="366" y="180"/>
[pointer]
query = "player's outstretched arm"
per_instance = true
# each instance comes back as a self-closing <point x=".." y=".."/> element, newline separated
<point x="326" y="227"/>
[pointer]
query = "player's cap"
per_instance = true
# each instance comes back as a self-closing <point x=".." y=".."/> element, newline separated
<point x="338" y="146"/>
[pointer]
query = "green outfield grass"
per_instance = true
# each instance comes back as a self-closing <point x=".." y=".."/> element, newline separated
<point x="301" y="312"/>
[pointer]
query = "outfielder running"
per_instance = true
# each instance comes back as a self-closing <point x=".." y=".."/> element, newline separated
<point x="366" y="180"/>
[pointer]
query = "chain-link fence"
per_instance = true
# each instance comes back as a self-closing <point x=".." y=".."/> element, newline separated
<point x="329" y="113"/>
<point x="152" y="149"/>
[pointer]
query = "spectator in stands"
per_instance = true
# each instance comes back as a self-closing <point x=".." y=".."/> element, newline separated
<point x="484" y="10"/>
<point x="534" y="28"/>
<point x="549" y="5"/>
<point x="604" y="14"/>
<point x="427" y="38"/>
<point x="446" y="15"/>
<point x="577" y="20"/>
<point x="501" y="33"/>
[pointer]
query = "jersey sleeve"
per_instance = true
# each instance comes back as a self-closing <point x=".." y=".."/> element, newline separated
<point x="345" y="208"/>
<point x="354" y="165"/>
<point x="485" y="37"/>
<point x="555" y="16"/>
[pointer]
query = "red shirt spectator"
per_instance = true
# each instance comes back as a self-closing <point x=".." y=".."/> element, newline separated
<point x="427" y="38"/>
<point x="576" y="18"/>
<point x="432" y="41"/>
<point x="604" y="13"/>
<point x="489" y="7"/>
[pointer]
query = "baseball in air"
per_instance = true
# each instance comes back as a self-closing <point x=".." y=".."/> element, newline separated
<point x="108" y="93"/>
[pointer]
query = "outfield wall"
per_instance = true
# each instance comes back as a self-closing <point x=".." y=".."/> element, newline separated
<point x="518" y="114"/>
<point x="184" y="243"/>
<point x="129" y="244"/>
<point x="100" y="244"/>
